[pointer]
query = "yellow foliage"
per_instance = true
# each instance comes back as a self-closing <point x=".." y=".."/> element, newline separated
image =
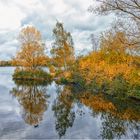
<point x="97" y="103"/>
<point x="129" y="114"/>
<point x="52" y="70"/>
<point x="63" y="50"/>
<point x="32" y="55"/>
<point x="111" y="61"/>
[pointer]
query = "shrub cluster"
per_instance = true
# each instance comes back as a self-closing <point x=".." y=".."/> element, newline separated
<point x="32" y="75"/>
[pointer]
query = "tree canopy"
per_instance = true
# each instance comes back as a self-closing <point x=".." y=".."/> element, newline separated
<point x="31" y="54"/>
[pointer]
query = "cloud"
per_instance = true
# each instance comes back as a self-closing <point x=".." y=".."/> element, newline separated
<point x="10" y="17"/>
<point x="8" y="49"/>
<point x="43" y="14"/>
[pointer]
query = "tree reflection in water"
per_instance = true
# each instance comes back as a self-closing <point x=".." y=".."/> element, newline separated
<point x="63" y="111"/>
<point x="32" y="97"/>
<point x="117" y="119"/>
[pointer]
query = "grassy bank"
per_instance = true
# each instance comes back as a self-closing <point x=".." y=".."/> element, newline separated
<point x="38" y="75"/>
<point x="118" y="87"/>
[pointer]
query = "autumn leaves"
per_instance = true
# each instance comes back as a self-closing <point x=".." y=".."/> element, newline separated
<point x="31" y="55"/>
<point x="112" y="69"/>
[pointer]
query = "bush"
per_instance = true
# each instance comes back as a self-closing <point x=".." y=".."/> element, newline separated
<point x="135" y="91"/>
<point x="32" y="75"/>
<point x="96" y="87"/>
<point x="63" y="80"/>
<point x="93" y="86"/>
<point x="119" y="87"/>
<point x="78" y="81"/>
<point x="31" y="82"/>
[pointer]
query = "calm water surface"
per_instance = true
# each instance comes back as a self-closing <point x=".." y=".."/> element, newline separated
<point x="35" y="111"/>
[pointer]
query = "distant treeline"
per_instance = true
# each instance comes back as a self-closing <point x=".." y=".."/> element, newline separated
<point x="5" y="63"/>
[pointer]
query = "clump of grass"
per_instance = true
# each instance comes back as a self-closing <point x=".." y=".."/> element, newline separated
<point x="32" y="75"/>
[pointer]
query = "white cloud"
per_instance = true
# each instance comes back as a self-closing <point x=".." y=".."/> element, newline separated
<point x="43" y="14"/>
<point x="10" y="17"/>
<point x="8" y="49"/>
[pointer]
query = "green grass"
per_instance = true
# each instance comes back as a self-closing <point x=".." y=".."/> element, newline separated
<point x="135" y="92"/>
<point x="29" y="75"/>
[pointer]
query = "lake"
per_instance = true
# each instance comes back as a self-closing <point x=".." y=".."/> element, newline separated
<point x="35" y="111"/>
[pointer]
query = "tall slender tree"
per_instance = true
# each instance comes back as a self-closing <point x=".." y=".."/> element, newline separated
<point x="62" y="49"/>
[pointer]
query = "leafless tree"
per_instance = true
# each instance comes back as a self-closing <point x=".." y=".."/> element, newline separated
<point x="128" y="17"/>
<point x="128" y="8"/>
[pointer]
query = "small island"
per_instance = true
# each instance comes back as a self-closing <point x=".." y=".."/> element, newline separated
<point x="31" y="57"/>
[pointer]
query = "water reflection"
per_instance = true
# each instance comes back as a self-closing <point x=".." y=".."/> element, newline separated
<point x="119" y="119"/>
<point x="33" y="99"/>
<point x="63" y="111"/>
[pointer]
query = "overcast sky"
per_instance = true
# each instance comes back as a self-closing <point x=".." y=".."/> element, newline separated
<point x="43" y="14"/>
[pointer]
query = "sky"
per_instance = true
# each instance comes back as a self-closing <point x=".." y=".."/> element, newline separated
<point x="43" y="14"/>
